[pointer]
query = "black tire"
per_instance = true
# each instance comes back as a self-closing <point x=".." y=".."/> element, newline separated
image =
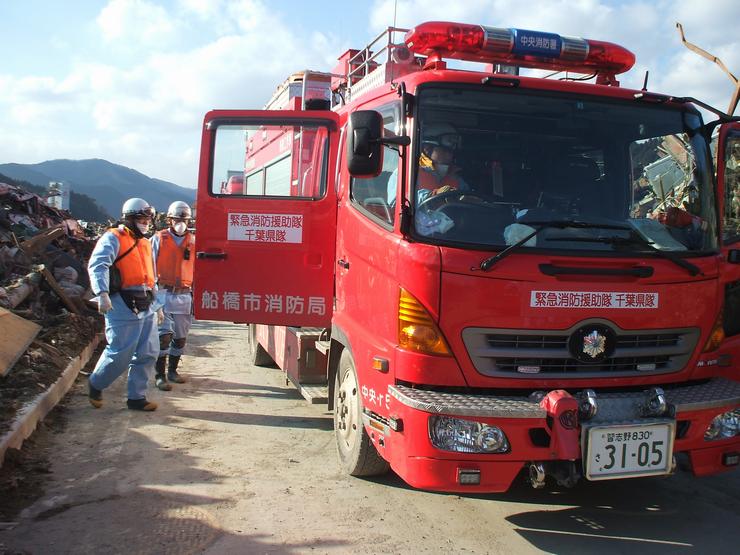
<point x="257" y="354"/>
<point x="357" y="454"/>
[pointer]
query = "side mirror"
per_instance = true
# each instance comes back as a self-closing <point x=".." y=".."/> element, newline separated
<point x="364" y="147"/>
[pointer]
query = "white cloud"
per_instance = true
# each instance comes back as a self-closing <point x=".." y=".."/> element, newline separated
<point x="137" y="21"/>
<point x="710" y="23"/>
<point x="203" y="9"/>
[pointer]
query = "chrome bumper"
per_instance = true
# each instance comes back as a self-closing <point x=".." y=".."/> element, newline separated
<point x="716" y="393"/>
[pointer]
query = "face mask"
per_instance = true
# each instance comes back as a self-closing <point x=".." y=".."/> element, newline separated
<point x="442" y="168"/>
<point x="143" y="228"/>
<point x="180" y="227"/>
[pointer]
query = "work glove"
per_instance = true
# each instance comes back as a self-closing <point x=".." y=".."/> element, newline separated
<point x="104" y="303"/>
<point x="160" y="317"/>
<point x="443" y="189"/>
<point x="674" y="217"/>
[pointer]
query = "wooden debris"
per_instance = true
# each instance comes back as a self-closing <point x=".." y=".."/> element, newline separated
<point x="14" y="294"/>
<point x="17" y="335"/>
<point x="53" y="351"/>
<point x="59" y="291"/>
<point x="38" y="243"/>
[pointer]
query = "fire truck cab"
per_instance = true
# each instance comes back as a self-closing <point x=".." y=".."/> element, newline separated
<point x="485" y="274"/>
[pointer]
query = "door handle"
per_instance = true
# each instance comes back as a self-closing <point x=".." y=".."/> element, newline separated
<point x="212" y="255"/>
<point x="343" y="263"/>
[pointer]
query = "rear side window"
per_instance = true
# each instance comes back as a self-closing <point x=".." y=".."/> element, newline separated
<point x="270" y="160"/>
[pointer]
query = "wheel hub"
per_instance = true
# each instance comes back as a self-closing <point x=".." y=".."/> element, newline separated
<point x="346" y="410"/>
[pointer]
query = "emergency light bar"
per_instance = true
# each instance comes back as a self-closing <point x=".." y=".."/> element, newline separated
<point x="519" y="47"/>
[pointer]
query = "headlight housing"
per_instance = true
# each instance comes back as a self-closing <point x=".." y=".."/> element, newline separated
<point x="466" y="436"/>
<point x="724" y="426"/>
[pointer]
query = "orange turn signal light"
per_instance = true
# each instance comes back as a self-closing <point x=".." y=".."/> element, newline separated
<point x="717" y="336"/>
<point x="416" y="329"/>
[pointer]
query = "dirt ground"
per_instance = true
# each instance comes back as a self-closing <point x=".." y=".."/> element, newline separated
<point x="235" y="461"/>
<point x="62" y="338"/>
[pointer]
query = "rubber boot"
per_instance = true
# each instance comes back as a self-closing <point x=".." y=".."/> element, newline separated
<point x="160" y="380"/>
<point x="172" y="374"/>
<point x="141" y="404"/>
<point x="95" y="396"/>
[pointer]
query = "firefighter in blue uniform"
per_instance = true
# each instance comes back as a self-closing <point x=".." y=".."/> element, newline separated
<point x="128" y="305"/>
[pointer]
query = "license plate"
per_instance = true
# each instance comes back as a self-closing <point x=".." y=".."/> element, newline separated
<point x="628" y="450"/>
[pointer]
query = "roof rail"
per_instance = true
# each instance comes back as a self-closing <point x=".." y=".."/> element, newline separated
<point x="366" y="60"/>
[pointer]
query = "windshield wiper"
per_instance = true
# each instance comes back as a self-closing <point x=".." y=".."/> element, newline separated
<point x="637" y="239"/>
<point x="488" y="263"/>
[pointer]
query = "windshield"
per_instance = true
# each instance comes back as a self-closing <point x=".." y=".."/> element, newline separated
<point x="494" y="166"/>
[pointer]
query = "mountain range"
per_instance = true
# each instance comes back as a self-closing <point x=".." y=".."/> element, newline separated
<point x="108" y="183"/>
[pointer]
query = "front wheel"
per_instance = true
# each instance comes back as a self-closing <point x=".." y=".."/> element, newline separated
<point x="357" y="454"/>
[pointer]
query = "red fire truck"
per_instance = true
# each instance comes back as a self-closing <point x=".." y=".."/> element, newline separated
<point x="486" y="274"/>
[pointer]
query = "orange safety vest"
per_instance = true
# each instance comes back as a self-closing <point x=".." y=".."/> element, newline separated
<point x="137" y="267"/>
<point x="172" y="268"/>
<point x="428" y="180"/>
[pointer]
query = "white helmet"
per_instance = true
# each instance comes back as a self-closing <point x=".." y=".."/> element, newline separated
<point x="441" y="133"/>
<point x="179" y="209"/>
<point x="137" y="207"/>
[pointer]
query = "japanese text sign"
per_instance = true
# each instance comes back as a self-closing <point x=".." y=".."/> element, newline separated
<point x="265" y="228"/>
<point x="593" y="299"/>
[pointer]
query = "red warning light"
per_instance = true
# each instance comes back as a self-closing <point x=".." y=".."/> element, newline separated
<point x="520" y="47"/>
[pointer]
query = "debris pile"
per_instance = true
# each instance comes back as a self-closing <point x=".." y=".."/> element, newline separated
<point x="46" y="317"/>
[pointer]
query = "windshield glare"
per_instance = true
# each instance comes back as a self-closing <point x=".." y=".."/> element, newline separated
<point x="491" y="161"/>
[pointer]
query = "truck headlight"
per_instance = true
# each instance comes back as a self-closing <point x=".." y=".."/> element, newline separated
<point x="724" y="426"/>
<point x="466" y="436"/>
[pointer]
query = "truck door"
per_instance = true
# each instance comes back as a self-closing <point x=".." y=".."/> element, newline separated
<point x="728" y="178"/>
<point x="266" y="217"/>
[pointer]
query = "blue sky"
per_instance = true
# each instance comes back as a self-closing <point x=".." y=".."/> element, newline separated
<point x="130" y="80"/>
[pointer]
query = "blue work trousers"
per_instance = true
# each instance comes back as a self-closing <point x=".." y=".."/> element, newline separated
<point x="133" y="343"/>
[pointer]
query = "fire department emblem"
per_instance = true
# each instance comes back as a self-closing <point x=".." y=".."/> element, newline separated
<point x="594" y="344"/>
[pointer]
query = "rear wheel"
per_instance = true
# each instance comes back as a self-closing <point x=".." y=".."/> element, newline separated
<point x="257" y="354"/>
<point x="357" y="454"/>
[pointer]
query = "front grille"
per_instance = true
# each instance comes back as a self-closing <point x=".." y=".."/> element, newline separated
<point x="569" y="365"/>
<point x="503" y="341"/>
<point x="649" y="340"/>
<point x="529" y="353"/>
<point x="645" y="341"/>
